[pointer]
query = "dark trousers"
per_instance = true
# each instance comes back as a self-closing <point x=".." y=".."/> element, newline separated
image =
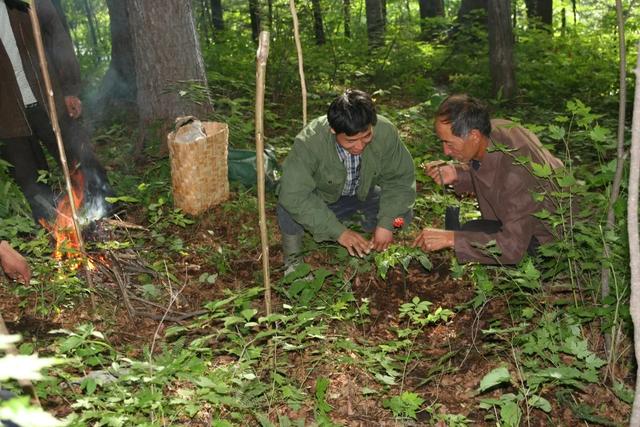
<point x="27" y="158"/>
<point x="490" y="226"/>
<point x="344" y="209"/>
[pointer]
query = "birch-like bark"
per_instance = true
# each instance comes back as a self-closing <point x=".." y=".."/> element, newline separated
<point x="634" y="244"/>
<point x="296" y="36"/>
<point x="617" y="179"/>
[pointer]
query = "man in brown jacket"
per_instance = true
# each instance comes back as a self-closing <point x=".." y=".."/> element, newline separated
<point x="24" y="109"/>
<point x="486" y="151"/>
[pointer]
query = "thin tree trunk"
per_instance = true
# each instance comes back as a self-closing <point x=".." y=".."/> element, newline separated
<point x="375" y="23"/>
<point x="383" y="3"/>
<point x="617" y="179"/>
<point x="216" y="15"/>
<point x="92" y="30"/>
<point x="296" y="36"/>
<point x="346" y="10"/>
<point x="634" y="244"/>
<point x="317" y="22"/>
<point x="254" y="15"/>
<point x="501" y="49"/>
<point x="118" y="88"/>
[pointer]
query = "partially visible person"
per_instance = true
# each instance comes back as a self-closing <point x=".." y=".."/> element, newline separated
<point x="13" y="264"/>
<point x="350" y="160"/>
<point x="505" y="187"/>
<point x="25" y="119"/>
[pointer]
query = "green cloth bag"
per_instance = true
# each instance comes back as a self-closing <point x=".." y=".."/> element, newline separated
<point x="242" y="167"/>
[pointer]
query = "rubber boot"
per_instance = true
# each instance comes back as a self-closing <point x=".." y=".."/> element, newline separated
<point x="292" y="251"/>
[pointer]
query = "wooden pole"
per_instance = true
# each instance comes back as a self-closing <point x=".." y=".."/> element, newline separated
<point x="35" y="23"/>
<point x="296" y="36"/>
<point x="261" y="70"/>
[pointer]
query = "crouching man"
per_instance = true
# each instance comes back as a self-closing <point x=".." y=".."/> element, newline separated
<point x="349" y="161"/>
<point x="490" y="155"/>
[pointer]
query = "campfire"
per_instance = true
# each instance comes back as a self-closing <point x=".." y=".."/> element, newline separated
<point x="67" y="244"/>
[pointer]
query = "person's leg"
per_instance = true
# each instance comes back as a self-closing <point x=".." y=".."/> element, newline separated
<point x="292" y="234"/>
<point x="484" y="225"/>
<point x="26" y="158"/>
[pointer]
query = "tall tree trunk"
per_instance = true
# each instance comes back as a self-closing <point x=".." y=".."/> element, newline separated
<point x="470" y="11"/>
<point x="384" y="13"/>
<point x="254" y="15"/>
<point x="539" y="12"/>
<point x="501" y="49"/>
<point x="375" y="23"/>
<point x="167" y="54"/>
<point x="317" y="22"/>
<point x="634" y="245"/>
<point x="216" y="15"/>
<point x="93" y="32"/>
<point x="118" y="88"/>
<point x="429" y="9"/>
<point x="346" y="11"/>
<point x="270" y="13"/>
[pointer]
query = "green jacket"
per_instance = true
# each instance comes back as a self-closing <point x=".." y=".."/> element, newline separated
<point x="313" y="176"/>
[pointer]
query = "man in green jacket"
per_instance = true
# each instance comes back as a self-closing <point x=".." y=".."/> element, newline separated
<point x="349" y="161"/>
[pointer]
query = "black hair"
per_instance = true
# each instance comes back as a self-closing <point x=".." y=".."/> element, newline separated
<point x="465" y="113"/>
<point x="352" y="112"/>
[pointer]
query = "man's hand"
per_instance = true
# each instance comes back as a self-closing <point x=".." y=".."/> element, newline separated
<point x="14" y="264"/>
<point x="441" y="172"/>
<point x="74" y="106"/>
<point x="382" y="238"/>
<point x="355" y="243"/>
<point x="431" y="239"/>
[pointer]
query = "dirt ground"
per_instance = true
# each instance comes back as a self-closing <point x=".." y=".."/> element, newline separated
<point x="453" y="357"/>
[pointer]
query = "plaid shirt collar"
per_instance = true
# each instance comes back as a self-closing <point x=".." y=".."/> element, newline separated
<point x="352" y="165"/>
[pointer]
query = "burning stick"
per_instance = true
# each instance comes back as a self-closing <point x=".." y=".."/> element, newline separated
<point x="35" y="23"/>
<point x="261" y="67"/>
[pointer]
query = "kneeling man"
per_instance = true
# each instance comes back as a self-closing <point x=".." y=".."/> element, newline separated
<point x="505" y="187"/>
<point x="349" y="161"/>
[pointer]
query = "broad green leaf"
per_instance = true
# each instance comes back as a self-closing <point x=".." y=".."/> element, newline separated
<point x="497" y="376"/>
<point x="385" y="379"/>
<point x="511" y="414"/>
<point x="540" y="403"/>
<point x="599" y="134"/>
<point x="541" y="171"/>
<point x="556" y="132"/>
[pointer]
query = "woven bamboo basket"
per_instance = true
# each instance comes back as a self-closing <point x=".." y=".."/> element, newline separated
<point x="199" y="169"/>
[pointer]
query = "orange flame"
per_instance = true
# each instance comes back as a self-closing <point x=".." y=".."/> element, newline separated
<point x="67" y="244"/>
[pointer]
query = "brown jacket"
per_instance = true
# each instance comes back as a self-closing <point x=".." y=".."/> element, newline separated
<point x="62" y="63"/>
<point x="504" y="191"/>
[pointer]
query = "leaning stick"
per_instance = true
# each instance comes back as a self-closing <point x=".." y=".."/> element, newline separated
<point x="11" y="349"/>
<point x="261" y="70"/>
<point x="35" y="23"/>
<point x="296" y="36"/>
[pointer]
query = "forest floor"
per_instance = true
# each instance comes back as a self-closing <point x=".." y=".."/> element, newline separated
<point x="443" y="365"/>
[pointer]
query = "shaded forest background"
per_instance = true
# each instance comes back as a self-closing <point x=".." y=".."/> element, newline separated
<point x="359" y="342"/>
